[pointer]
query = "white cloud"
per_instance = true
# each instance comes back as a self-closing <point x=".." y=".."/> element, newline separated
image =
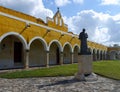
<point x="40" y="11"/>
<point x="101" y="35"/>
<point x="110" y="2"/>
<point x="62" y="2"/>
<point x="78" y="1"/>
<point x="101" y="28"/>
<point x="33" y="7"/>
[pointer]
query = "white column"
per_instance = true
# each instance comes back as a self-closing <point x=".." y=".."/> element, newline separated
<point x="61" y="58"/>
<point x="47" y="58"/>
<point x="72" y="58"/>
<point x="26" y="59"/>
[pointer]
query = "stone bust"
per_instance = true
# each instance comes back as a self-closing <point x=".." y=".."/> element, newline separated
<point x="84" y="48"/>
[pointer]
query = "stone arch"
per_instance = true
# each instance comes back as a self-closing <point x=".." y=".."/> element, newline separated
<point x="55" y="48"/>
<point x="67" y="43"/>
<point x="58" y="44"/>
<point x="94" y="55"/>
<point x="104" y="55"/>
<point x="119" y="55"/>
<point x="37" y="53"/>
<point x="76" y="45"/>
<point x="41" y="40"/>
<point x="20" y="37"/>
<point x="90" y="50"/>
<point x="67" y="52"/>
<point x="113" y="55"/>
<point x="98" y="54"/>
<point x="101" y="55"/>
<point x="13" y="46"/>
<point x="76" y="50"/>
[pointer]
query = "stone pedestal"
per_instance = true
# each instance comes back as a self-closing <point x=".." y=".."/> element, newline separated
<point x="85" y="68"/>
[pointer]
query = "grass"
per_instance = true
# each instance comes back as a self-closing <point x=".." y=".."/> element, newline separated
<point x="109" y="69"/>
<point x="64" y="70"/>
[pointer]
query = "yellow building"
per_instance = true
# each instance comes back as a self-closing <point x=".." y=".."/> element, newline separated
<point x="114" y="52"/>
<point x="26" y="41"/>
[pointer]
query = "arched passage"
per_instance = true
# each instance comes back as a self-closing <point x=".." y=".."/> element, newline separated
<point x="94" y="55"/>
<point x="104" y="55"/>
<point x="12" y="50"/>
<point x="90" y="50"/>
<point x="67" y="51"/>
<point x="54" y="52"/>
<point x="37" y="54"/>
<point x="76" y="50"/>
<point x="41" y="40"/>
<point x="101" y="55"/>
<point x="113" y="55"/>
<point x="98" y="55"/>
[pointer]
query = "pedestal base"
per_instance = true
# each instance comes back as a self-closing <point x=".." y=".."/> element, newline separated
<point x="82" y="77"/>
<point x="85" y="64"/>
<point x="91" y="77"/>
<point x="85" y="69"/>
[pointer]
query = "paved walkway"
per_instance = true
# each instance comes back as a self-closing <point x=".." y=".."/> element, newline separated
<point x="58" y="84"/>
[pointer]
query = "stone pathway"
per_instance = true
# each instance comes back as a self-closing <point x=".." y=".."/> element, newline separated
<point x="58" y="84"/>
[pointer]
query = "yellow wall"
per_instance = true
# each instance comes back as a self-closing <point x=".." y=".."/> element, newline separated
<point x="13" y="25"/>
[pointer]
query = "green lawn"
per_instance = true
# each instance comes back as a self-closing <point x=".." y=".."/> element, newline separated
<point x="109" y="69"/>
<point x="64" y="70"/>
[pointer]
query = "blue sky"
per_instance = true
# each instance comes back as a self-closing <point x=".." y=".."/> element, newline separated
<point x="101" y="18"/>
<point x="96" y="5"/>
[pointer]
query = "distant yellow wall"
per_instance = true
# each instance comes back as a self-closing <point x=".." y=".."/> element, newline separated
<point x="114" y="49"/>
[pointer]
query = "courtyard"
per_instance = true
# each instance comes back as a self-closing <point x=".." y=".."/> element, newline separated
<point x="17" y="81"/>
<point x="58" y="84"/>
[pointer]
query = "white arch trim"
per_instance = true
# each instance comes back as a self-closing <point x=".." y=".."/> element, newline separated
<point x="20" y="37"/>
<point x="76" y="45"/>
<point x="91" y="50"/>
<point x="95" y="50"/>
<point x="113" y="51"/>
<point x="67" y="43"/>
<point x="40" y="39"/>
<point x="58" y="44"/>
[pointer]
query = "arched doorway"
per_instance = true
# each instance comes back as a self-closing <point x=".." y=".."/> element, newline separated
<point x="94" y="55"/>
<point x="101" y="55"/>
<point x="37" y="54"/>
<point x="104" y="55"/>
<point x="113" y="55"/>
<point x="67" y="51"/>
<point x="76" y="51"/>
<point x="12" y="51"/>
<point x="54" y="54"/>
<point x="98" y="55"/>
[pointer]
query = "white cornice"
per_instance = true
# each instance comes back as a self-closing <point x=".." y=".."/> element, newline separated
<point x="43" y="26"/>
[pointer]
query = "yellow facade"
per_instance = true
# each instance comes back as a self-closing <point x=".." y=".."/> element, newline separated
<point x="28" y="29"/>
<point x="56" y="30"/>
